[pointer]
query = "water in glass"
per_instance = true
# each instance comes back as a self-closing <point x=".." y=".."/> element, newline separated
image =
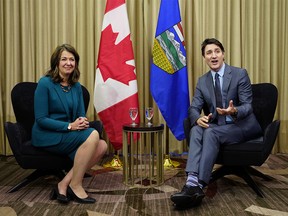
<point x="149" y="112"/>
<point x="133" y="112"/>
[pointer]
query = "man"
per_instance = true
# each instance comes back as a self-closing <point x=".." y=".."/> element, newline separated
<point x="226" y="93"/>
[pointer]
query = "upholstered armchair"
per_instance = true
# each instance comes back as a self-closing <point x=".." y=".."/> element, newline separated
<point x="238" y="159"/>
<point x="19" y="137"/>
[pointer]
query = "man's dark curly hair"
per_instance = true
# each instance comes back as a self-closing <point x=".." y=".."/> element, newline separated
<point x="211" y="41"/>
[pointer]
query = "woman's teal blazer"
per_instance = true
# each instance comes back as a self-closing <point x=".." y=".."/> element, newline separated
<point x="52" y="115"/>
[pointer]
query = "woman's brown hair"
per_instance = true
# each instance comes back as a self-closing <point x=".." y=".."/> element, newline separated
<point x="53" y="72"/>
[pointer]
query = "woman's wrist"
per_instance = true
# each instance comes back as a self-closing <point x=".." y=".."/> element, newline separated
<point x="69" y="128"/>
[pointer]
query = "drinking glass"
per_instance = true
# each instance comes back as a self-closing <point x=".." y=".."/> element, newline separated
<point x="149" y="112"/>
<point x="133" y="112"/>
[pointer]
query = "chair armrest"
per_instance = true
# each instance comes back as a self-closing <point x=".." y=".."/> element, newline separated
<point x="16" y="136"/>
<point x="270" y="135"/>
<point x="97" y="125"/>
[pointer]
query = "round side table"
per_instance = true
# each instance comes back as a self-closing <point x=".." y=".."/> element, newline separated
<point x="143" y="154"/>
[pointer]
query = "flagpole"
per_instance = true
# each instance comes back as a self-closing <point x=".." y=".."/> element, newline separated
<point x="168" y="163"/>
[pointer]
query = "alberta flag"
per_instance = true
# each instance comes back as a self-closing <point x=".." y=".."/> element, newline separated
<point x="115" y="83"/>
<point x="169" y="78"/>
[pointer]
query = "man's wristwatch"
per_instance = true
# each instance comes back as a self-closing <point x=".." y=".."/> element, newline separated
<point x="69" y="127"/>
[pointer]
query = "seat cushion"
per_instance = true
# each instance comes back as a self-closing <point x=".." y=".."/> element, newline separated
<point x="254" y="145"/>
<point x="242" y="154"/>
<point x="28" y="149"/>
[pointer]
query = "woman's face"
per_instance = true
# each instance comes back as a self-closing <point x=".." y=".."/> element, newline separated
<point x="67" y="64"/>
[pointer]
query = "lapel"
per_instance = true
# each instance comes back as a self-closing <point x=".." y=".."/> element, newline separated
<point x="75" y="100"/>
<point x="59" y="92"/>
<point x="210" y="86"/>
<point x="226" y="83"/>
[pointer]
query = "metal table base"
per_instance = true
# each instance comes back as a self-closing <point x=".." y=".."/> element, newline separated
<point x="143" y="155"/>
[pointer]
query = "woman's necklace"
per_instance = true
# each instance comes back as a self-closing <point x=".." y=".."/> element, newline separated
<point x="66" y="88"/>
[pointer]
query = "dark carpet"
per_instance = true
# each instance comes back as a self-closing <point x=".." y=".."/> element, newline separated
<point x="228" y="196"/>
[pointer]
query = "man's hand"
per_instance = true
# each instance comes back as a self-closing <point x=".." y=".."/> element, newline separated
<point x="230" y="110"/>
<point x="204" y="120"/>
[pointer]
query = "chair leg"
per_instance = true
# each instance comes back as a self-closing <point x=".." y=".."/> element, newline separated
<point x="259" y="174"/>
<point x="245" y="175"/>
<point x="221" y="172"/>
<point x="242" y="172"/>
<point x="35" y="175"/>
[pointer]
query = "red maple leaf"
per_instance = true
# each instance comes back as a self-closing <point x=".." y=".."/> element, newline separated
<point x="112" y="58"/>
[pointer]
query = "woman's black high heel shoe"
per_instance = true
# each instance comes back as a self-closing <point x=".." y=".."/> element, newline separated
<point x="60" y="197"/>
<point x="73" y="196"/>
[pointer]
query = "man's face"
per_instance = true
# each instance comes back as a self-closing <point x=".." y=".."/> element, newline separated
<point x="214" y="57"/>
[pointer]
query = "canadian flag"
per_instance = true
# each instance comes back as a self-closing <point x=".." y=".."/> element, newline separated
<point x="115" y="83"/>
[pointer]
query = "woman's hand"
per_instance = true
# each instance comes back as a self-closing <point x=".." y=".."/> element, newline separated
<point x="81" y="123"/>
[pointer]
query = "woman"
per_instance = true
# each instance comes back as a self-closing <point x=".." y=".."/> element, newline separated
<point x="61" y="126"/>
